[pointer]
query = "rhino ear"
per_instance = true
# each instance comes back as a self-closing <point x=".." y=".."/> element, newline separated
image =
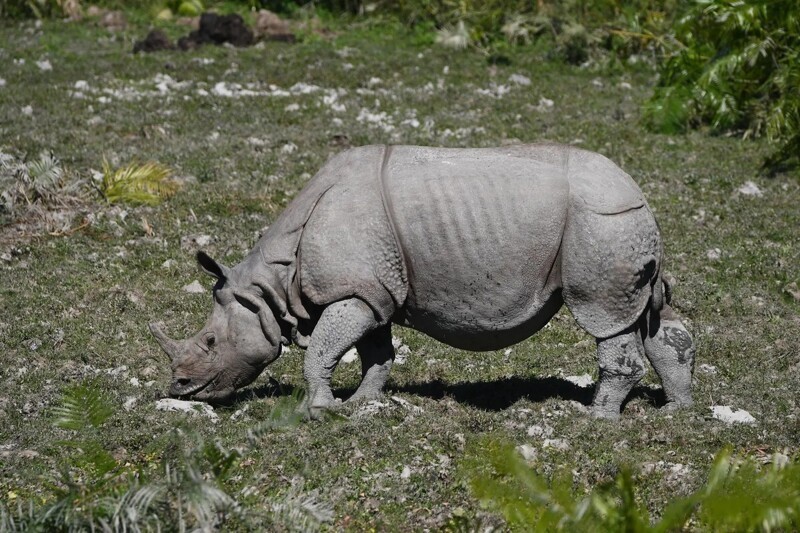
<point x="211" y="267"/>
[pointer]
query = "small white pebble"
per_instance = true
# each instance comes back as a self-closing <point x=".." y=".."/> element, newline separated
<point x="194" y="288"/>
<point x="27" y="110"/>
<point x="750" y="189"/>
<point x="406" y="473"/>
<point x="714" y="254"/>
<point x="350" y="356"/>
<point x="44" y="65"/>
<point x="731" y="415"/>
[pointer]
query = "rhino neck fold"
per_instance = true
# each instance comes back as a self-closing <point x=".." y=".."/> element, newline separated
<point x="276" y="283"/>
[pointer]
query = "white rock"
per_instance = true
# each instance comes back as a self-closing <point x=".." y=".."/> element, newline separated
<point x="406" y="473"/>
<point x="255" y="141"/>
<point x="292" y="107"/>
<point x="194" y="288"/>
<point x="406" y="404"/>
<point x="401" y="351"/>
<point x="731" y="415"/>
<point x="537" y="430"/>
<point x="707" y="369"/>
<point x="169" y="263"/>
<point x="44" y="65"/>
<point x="27" y="110"/>
<point x="240" y="412"/>
<point x="545" y="104"/>
<point x="519" y="79"/>
<point x="350" y="356"/>
<point x="597" y="82"/>
<point x="625" y="85"/>
<point x="135" y="382"/>
<point x="558" y="444"/>
<point x="130" y="403"/>
<point x="584" y="380"/>
<point x="2" y="82"/>
<point x="750" y="189"/>
<point x="192" y="408"/>
<point x="288" y="148"/>
<point x="714" y="254"/>
<point x="527" y="452"/>
<point x="191" y="241"/>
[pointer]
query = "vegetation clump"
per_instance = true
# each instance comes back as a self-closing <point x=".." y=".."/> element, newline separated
<point x="738" y="495"/>
<point x="148" y="183"/>
<point x="736" y="71"/>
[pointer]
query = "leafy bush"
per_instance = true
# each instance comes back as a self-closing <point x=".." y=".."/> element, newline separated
<point x="40" y="8"/>
<point x="738" y="70"/>
<point x="738" y="496"/>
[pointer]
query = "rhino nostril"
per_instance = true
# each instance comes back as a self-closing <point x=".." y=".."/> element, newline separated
<point x="183" y="381"/>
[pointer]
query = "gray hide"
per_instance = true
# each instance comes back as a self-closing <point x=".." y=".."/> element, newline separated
<point x="478" y="248"/>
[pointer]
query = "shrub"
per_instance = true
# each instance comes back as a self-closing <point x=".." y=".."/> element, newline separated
<point x="737" y="70"/>
<point x="138" y="184"/>
<point x="738" y="495"/>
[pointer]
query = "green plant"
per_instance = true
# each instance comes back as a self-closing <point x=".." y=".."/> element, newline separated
<point x="139" y="184"/>
<point x="39" y="181"/>
<point x="40" y="8"/>
<point x="95" y="491"/>
<point x="737" y="70"/>
<point x="738" y="496"/>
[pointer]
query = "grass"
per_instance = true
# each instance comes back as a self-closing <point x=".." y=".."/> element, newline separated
<point x="75" y="307"/>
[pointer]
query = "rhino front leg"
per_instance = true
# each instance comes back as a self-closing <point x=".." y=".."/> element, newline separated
<point x="670" y="349"/>
<point x="621" y="359"/>
<point x="340" y="326"/>
<point x="377" y="355"/>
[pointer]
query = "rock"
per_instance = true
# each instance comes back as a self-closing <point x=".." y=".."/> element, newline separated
<point x="406" y="473"/>
<point x="750" y="189"/>
<point x="44" y="65"/>
<point x="584" y="380"/>
<point x="156" y="40"/>
<point x="272" y="28"/>
<point x="707" y="369"/>
<point x="195" y="241"/>
<point x="793" y="290"/>
<point x="218" y="29"/>
<point x="130" y="403"/>
<point x="194" y="288"/>
<point x="192" y="408"/>
<point x="406" y="404"/>
<point x="540" y="430"/>
<point x="401" y="351"/>
<point x="714" y="254"/>
<point x="527" y="452"/>
<point x="519" y="79"/>
<point x="558" y="444"/>
<point x="350" y="356"/>
<point x="732" y="416"/>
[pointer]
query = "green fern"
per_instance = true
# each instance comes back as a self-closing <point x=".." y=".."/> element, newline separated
<point x="738" y="496"/>
<point x="82" y="407"/>
<point x="149" y="183"/>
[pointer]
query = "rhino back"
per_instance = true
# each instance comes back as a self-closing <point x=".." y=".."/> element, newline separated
<point x="480" y="231"/>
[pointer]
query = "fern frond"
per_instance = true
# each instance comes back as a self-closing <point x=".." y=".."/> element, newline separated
<point x="139" y="184"/>
<point x="82" y="407"/>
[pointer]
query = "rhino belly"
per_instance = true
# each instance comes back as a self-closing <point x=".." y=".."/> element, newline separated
<point x="480" y="232"/>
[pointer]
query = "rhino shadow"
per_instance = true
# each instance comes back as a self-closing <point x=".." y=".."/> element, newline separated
<point x="494" y="395"/>
<point x="501" y="394"/>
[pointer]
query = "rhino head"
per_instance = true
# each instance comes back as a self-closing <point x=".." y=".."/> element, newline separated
<point x="240" y="338"/>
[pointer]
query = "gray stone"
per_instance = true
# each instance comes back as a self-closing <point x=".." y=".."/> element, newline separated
<point x="478" y="248"/>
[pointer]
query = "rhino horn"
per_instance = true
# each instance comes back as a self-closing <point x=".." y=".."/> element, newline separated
<point x="170" y="346"/>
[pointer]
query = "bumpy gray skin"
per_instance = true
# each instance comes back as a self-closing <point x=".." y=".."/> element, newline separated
<point x="478" y="248"/>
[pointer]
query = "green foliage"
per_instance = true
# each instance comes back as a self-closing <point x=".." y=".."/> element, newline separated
<point x="95" y="491"/>
<point x="40" y="8"/>
<point x="738" y="496"/>
<point x="737" y="70"/>
<point x="24" y="184"/>
<point x="149" y="183"/>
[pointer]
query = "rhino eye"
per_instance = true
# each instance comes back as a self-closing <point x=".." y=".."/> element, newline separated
<point x="210" y="340"/>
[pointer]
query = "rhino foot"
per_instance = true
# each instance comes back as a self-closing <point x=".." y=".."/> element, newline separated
<point x="672" y="406"/>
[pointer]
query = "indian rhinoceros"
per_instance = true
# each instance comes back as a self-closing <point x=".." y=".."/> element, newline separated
<point x="477" y="248"/>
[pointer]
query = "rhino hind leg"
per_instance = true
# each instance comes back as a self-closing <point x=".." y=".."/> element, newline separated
<point x="621" y="359"/>
<point x="671" y="350"/>
<point x="340" y="327"/>
<point x="377" y="355"/>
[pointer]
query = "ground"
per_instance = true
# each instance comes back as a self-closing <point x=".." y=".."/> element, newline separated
<point x="244" y="129"/>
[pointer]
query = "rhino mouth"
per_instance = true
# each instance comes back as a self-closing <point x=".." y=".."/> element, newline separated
<point x="185" y="392"/>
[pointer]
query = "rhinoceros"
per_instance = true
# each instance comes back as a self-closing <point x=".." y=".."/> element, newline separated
<point x="477" y="248"/>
